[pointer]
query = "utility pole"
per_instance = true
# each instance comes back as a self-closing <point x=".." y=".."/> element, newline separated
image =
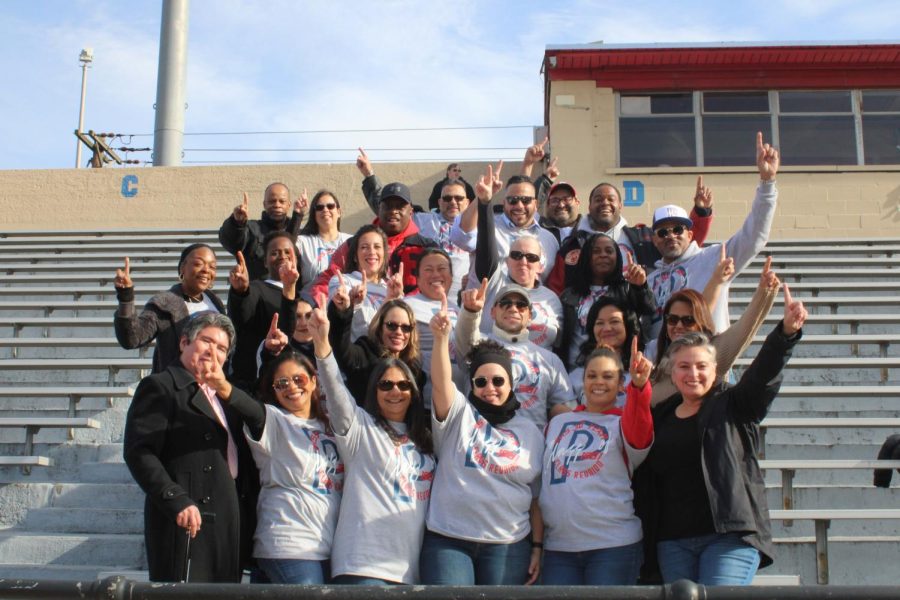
<point x="168" y="133"/>
<point x="86" y="58"/>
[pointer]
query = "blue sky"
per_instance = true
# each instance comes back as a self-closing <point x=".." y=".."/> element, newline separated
<point x="291" y="65"/>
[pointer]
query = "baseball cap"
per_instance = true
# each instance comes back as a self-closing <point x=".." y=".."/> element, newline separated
<point x="670" y="212"/>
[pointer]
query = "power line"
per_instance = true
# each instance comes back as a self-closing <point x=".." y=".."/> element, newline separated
<point x="345" y="149"/>
<point x="349" y="162"/>
<point x="309" y="131"/>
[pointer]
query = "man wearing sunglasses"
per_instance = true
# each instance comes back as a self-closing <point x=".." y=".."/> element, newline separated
<point x="685" y="265"/>
<point x="540" y="380"/>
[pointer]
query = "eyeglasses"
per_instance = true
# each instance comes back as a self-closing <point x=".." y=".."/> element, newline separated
<point x="519" y="304"/>
<point x="529" y="256"/>
<point x="284" y="383"/>
<point x="686" y="320"/>
<point x="513" y="200"/>
<point x="329" y="206"/>
<point x="496" y="380"/>
<point x="386" y="385"/>
<point x="457" y="199"/>
<point x="392" y="326"/>
<point x="663" y="232"/>
<point x="560" y="199"/>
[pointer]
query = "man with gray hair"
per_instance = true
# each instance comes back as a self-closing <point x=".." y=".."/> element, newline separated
<point x="185" y="447"/>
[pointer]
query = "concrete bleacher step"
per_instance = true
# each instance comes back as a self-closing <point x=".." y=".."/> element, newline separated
<point x="17" y="546"/>
<point x="109" y="520"/>
<point x="51" y="572"/>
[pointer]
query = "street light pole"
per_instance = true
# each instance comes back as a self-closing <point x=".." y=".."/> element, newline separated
<point x="86" y="57"/>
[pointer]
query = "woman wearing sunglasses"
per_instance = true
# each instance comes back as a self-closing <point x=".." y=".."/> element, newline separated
<point x="687" y="311"/>
<point x="600" y="272"/>
<point x="320" y="237"/>
<point x="301" y="473"/>
<point x="392" y="334"/>
<point x="387" y="449"/>
<point x="484" y="525"/>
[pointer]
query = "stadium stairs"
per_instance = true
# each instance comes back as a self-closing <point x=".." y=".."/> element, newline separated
<point x="70" y="510"/>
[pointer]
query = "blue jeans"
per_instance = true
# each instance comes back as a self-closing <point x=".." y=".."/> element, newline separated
<point x="715" y="559"/>
<point x="294" y="570"/>
<point x="604" y="566"/>
<point x="361" y="580"/>
<point x="449" y="561"/>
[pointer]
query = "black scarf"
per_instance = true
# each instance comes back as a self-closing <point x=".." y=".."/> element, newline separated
<point x="494" y="414"/>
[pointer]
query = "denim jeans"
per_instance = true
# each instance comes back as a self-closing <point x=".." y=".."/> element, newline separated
<point x="294" y="570"/>
<point x="715" y="559"/>
<point x="604" y="566"/>
<point x="361" y="580"/>
<point x="449" y="561"/>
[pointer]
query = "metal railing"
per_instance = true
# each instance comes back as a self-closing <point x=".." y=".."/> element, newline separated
<point x="120" y="588"/>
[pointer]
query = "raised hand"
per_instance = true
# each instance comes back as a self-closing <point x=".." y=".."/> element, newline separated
<point x="318" y="326"/>
<point x="794" y="313"/>
<point x="768" y="279"/>
<point x="440" y="323"/>
<point x="239" y="278"/>
<point x="123" y="277"/>
<point x="301" y="204"/>
<point x="484" y="186"/>
<point x="358" y="294"/>
<point x="535" y="154"/>
<point x="724" y="270"/>
<point x="767" y="159"/>
<point x="553" y="169"/>
<point x="276" y="340"/>
<point x="364" y="164"/>
<point x="703" y="197"/>
<point x="210" y="372"/>
<point x="473" y="300"/>
<point x="341" y="297"/>
<point x="640" y="367"/>
<point x="288" y="275"/>
<point x="496" y="182"/>
<point x="395" y="284"/>
<point x="634" y="273"/>
<point x="242" y="211"/>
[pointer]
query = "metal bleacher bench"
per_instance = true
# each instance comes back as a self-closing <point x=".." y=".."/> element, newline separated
<point x="844" y="362"/>
<point x="34" y="424"/>
<point x="822" y="519"/>
<point x="820" y="423"/>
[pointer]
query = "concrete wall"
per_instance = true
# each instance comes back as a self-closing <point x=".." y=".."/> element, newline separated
<point x="838" y="202"/>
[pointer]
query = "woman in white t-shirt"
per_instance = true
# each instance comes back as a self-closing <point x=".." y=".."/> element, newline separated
<point x="300" y="472"/>
<point x="484" y="525"/>
<point x="320" y="237"/>
<point x="387" y="449"/>
<point x="591" y="534"/>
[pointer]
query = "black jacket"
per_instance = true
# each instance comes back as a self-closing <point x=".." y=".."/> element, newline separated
<point x="176" y="450"/>
<point x="248" y="238"/>
<point x="728" y="423"/>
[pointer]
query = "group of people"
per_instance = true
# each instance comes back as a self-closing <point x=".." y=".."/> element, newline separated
<point x="510" y="394"/>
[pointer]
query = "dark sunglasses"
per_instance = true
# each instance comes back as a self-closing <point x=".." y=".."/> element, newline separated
<point x="392" y="326"/>
<point x="284" y="383"/>
<point x="663" y="232"/>
<point x="457" y="199"/>
<point x="386" y="385"/>
<point x="525" y="200"/>
<point x="496" y="380"/>
<point x="529" y="256"/>
<point x="686" y="320"/>
<point x="519" y="304"/>
<point x="329" y="206"/>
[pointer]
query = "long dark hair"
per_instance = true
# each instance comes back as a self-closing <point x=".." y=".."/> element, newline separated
<point x="266" y="393"/>
<point x="632" y="329"/>
<point x="411" y="355"/>
<point x="584" y="271"/>
<point x="353" y="248"/>
<point x="312" y="226"/>
<point x="699" y="310"/>
<point x="416" y="419"/>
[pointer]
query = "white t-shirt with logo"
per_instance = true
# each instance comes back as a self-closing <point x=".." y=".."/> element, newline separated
<point x="424" y="309"/>
<point x="315" y="256"/>
<point x="546" y="309"/>
<point x="483" y="485"/>
<point x="302" y="477"/>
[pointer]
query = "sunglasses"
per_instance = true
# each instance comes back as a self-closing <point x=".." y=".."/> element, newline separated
<point x="456" y="199"/>
<point x="284" y="383"/>
<point x="496" y="380"/>
<point x="386" y="385"/>
<point x="529" y="256"/>
<point x="663" y="232"/>
<point x="686" y="320"/>
<point x="392" y="326"/>
<point x="513" y="200"/>
<point x="519" y="304"/>
<point x="329" y="206"/>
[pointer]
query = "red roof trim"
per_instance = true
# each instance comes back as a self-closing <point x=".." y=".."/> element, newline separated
<point x="745" y="68"/>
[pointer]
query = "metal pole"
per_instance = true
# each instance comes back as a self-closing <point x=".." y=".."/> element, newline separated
<point x="86" y="57"/>
<point x="170" y="84"/>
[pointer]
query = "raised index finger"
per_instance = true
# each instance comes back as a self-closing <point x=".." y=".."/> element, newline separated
<point x="699" y="182"/>
<point x="544" y="142"/>
<point x="240" y="258"/>
<point x="246" y="202"/>
<point x="483" y="289"/>
<point x="759" y="142"/>
<point x="788" y="300"/>
<point x="499" y="168"/>
<point x="634" y="349"/>
<point x="768" y="266"/>
<point x="127" y="266"/>
<point x="722" y="253"/>
<point x="273" y="327"/>
<point x="443" y="302"/>
<point x="362" y="152"/>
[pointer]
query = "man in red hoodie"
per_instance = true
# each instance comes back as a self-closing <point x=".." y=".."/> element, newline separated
<point x="405" y="243"/>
